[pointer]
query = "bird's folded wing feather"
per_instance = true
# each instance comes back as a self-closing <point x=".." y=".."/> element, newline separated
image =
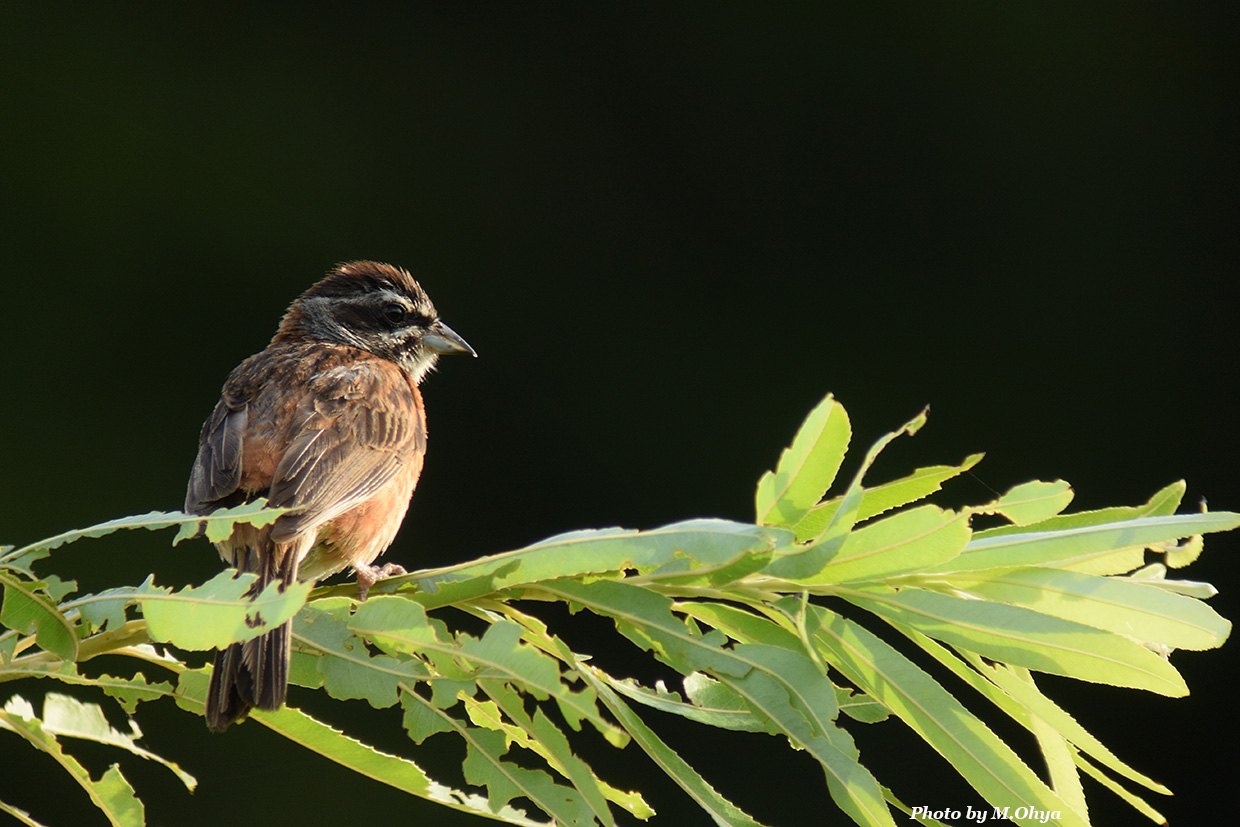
<point x="358" y="426"/>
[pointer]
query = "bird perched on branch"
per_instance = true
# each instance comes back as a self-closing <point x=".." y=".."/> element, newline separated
<point x="327" y="420"/>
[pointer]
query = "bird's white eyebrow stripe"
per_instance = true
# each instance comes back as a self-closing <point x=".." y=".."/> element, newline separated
<point x="412" y="304"/>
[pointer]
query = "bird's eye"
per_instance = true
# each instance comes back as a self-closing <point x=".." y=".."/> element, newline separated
<point x="394" y="313"/>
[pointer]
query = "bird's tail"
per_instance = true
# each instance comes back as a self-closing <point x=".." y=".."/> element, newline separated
<point x="253" y="674"/>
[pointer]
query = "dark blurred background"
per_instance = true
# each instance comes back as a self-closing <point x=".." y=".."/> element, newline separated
<point x="668" y="231"/>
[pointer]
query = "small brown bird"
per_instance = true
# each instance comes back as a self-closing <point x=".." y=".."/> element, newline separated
<point x="328" y="420"/>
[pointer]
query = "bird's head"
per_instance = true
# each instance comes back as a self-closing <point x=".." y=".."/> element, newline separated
<point x="375" y="307"/>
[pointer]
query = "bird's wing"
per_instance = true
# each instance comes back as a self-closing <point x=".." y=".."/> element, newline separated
<point x="355" y="428"/>
<point x="217" y="468"/>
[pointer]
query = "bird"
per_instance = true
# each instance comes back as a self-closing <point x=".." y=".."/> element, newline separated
<point x="328" y="421"/>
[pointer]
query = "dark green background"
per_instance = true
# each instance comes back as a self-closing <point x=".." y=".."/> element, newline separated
<point x="668" y="232"/>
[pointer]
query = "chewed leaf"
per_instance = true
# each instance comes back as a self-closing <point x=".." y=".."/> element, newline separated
<point x="152" y="521"/>
<point x="111" y="793"/>
<point x="712" y="703"/>
<point x="398" y="773"/>
<point x="721" y="811"/>
<point x="68" y="717"/>
<point x="218" y="525"/>
<point x="218" y="612"/>
<point x="1182" y="555"/>
<point x="25" y="610"/>
<point x="884" y="497"/>
<point x="709" y="544"/>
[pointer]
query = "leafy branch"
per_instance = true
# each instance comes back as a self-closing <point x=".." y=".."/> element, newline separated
<point x="776" y="626"/>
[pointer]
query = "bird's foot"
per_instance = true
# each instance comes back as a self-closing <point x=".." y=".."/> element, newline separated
<point x="367" y="576"/>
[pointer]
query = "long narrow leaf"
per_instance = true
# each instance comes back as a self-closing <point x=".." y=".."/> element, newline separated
<point x="723" y="812"/>
<point x="392" y="770"/>
<point x="1121" y="606"/>
<point x="1023" y="637"/>
<point x="1069" y="546"/>
<point x="713" y="543"/>
<point x="986" y="762"/>
<point x="1021" y="702"/>
<point x="111" y="793"/>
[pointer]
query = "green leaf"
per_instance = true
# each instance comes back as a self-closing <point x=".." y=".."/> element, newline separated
<point x="717" y="704"/>
<point x="782" y="686"/>
<point x="57" y="590"/>
<point x="645" y="618"/>
<point x="398" y="624"/>
<point x="1117" y="605"/>
<point x="1164" y="503"/>
<point x="987" y="763"/>
<point x="1182" y="555"/>
<point x="500" y="651"/>
<point x="720" y="810"/>
<point x="713" y="703"/>
<point x="538" y="735"/>
<point x="504" y="780"/>
<point x="572" y="767"/>
<point x="1022" y="689"/>
<point x="741" y="624"/>
<point x="218" y="525"/>
<point x="878" y="499"/>
<point x="1136" y="802"/>
<point x="152" y="521"/>
<point x="421" y="720"/>
<point x="535" y="633"/>
<point x="813" y="556"/>
<point x="64" y="716"/>
<point x="129" y="692"/>
<point x="714" y="544"/>
<point x="111" y="793"/>
<point x="907" y="541"/>
<point x="1071" y="546"/>
<point x="25" y="611"/>
<point x="218" y="612"/>
<point x="396" y="772"/>
<point x="1031" y="502"/>
<point x="1022" y="637"/>
<point x="807" y="468"/>
<point x="860" y="707"/>
<point x="786" y="689"/>
<point x="21" y="815"/>
<point x="1024" y="703"/>
<point x="1155" y="574"/>
<point x="1060" y="765"/>
<point x="341" y="657"/>
<point x="106" y="608"/>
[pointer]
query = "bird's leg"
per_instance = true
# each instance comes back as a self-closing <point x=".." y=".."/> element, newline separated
<point x="367" y="576"/>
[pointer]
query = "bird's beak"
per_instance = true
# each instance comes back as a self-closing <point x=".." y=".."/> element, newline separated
<point x="444" y="340"/>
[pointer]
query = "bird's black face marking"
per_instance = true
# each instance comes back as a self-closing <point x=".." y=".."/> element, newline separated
<point x="394" y="313"/>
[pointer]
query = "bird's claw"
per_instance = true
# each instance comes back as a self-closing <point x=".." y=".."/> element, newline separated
<point x="367" y="576"/>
